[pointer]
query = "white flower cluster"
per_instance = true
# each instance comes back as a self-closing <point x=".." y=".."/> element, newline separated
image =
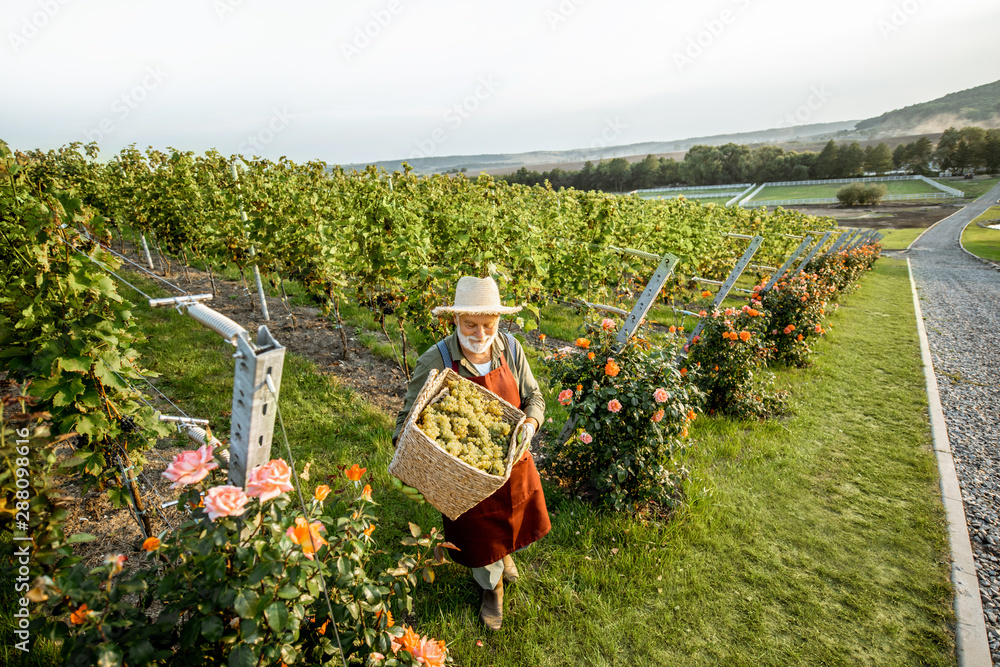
<point x="466" y="425"/>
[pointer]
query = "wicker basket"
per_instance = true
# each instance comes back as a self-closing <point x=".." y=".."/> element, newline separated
<point x="451" y="485"/>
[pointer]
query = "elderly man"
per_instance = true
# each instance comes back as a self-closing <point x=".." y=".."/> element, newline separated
<point x="515" y="515"/>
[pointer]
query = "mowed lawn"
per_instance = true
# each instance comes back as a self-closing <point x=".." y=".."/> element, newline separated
<point x="973" y="188"/>
<point x="983" y="241"/>
<point x="830" y="190"/>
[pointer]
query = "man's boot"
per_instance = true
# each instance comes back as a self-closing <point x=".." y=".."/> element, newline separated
<point x="491" y="611"/>
<point x="510" y="573"/>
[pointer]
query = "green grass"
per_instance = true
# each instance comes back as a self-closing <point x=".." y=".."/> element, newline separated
<point x="900" y="239"/>
<point x="830" y="190"/>
<point x="989" y="215"/>
<point x="973" y="189"/>
<point x="818" y="539"/>
<point x="981" y="241"/>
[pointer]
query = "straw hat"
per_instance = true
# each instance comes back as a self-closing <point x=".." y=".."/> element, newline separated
<point x="476" y="296"/>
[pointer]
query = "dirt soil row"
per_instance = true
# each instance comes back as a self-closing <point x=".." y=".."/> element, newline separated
<point x="884" y="216"/>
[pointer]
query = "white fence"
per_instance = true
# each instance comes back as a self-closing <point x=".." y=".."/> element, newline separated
<point x="859" y="179"/>
<point x="940" y="186"/>
<point x="738" y="199"/>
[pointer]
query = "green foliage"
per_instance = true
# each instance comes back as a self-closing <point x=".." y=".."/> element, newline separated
<point x="632" y="408"/>
<point x="247" y="587"/>
<point x="63" y="326"/>
<point x="869" y="194"/>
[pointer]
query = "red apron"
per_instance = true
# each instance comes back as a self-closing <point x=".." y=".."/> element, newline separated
<point x="515" y="515"/>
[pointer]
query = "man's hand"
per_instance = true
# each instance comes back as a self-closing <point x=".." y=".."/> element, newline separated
<point x="408" y="491"/>
<point x="526" y="434"/>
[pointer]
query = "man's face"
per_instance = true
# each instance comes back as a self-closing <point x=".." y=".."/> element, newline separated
<point x="476" y="332"/>
<point x="478" y="327"/>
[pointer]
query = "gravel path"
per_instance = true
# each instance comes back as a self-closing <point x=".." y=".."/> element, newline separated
<point x="960" y="299"/>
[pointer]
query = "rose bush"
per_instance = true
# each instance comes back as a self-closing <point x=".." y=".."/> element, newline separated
<point x="241" y="581"/>
<point x="794" y="309"/>
<point x="632" y="408"/>
<point x="730" y="354"/>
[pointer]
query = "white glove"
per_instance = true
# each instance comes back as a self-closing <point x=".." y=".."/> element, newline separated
<point x="526" y="434"/>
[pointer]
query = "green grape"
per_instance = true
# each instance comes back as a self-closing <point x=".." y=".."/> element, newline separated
<point x="469" y="427"/>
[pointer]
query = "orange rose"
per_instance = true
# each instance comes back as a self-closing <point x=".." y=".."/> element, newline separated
<point x="366" y="493"/>
<point x="307" y="536"/>
<point x="590" y="355"/>
<point x="322" y="491"/>
<point x="79" y="617"/>
<point x="744" y="336"/>
<point x="611" y="368"/>
<point x="583" y="342"/>
<point x="354" y="473"/>
<point x="151" y="544"/>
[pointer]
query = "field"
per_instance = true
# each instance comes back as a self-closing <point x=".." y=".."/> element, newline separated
<point x="819" y="190"/>
<point x="699" y="195"/>
<point x="973" y="189"/>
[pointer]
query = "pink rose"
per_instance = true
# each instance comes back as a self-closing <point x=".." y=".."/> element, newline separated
<point x="225" y="501"/>
<point x="190" y="467"/>
<point x="614" y="405"/>
<point x="566" y="396"/>
<point x="658" y="415"/>
<point x="607" y="324"/>
<point x="586" y="438"/>
<point x="660" y="395"/>
<point x="269" y="480"/>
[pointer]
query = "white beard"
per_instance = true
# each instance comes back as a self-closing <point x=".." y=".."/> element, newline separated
<point x="474" y="346"/>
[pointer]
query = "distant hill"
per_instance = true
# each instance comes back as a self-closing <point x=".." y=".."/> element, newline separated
<point x="975" y="106"/>
<point x="511" y="162"/>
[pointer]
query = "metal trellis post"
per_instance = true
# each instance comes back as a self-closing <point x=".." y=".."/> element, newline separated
<point x="730" y="281"/>
<point x="806" y="242"/>
<point x="811" y="254"/>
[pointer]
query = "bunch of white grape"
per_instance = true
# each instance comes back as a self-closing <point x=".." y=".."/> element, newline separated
<point x="469" y="426"/>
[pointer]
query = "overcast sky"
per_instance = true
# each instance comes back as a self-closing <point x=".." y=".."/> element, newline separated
<point x="359" y="81"/>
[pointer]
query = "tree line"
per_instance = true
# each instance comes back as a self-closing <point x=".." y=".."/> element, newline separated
<point x="968" y="150"/>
